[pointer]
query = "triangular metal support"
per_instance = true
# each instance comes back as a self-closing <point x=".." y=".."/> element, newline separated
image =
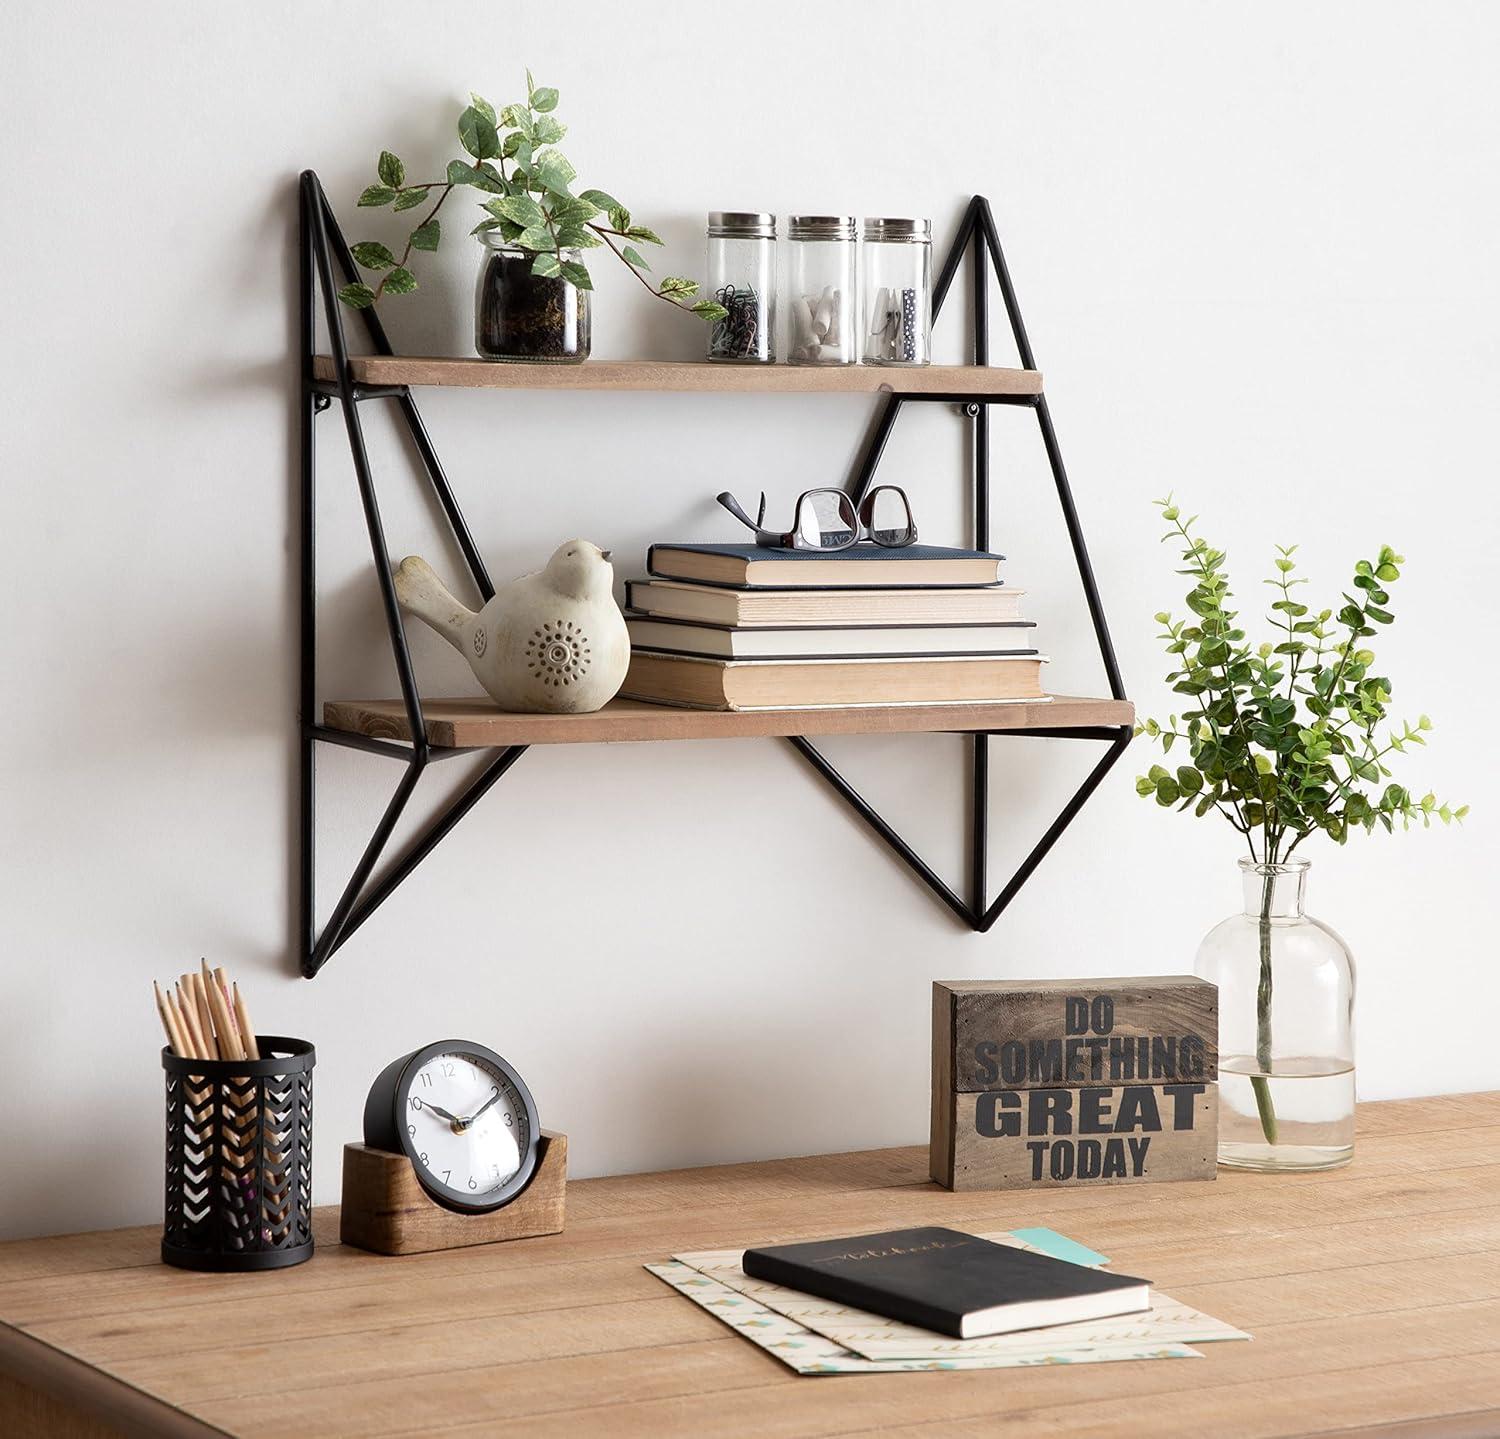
<point x="978" y="238"/>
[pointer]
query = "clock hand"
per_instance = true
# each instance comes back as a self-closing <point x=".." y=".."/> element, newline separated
<point x="484" y="1106"/>
<point x="438" y="1109"/>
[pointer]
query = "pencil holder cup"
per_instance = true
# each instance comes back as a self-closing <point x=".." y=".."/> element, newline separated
<point x="239" y="1158"/>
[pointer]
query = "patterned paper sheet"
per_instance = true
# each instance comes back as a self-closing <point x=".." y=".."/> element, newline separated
<point x="1166" y="1324"/>
<point x="810" y="1353"/>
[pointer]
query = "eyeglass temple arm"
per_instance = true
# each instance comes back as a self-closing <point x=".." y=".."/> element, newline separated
<point x="737" y="510"/>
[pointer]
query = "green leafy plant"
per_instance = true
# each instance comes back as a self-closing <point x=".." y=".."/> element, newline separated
<point x="1287" y="738"/>
<point x="513" y="158"/>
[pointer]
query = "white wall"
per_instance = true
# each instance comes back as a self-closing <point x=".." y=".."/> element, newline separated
<point x="1255" y="248"/>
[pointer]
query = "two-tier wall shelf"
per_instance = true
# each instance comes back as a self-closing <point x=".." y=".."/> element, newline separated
<point x="419" y="731"/>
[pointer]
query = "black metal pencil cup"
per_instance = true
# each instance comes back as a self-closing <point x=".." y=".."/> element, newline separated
<point x="239" y="1158"/>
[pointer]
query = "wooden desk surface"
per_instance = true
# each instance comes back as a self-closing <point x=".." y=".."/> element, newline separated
<point x="1373" y="1294"/>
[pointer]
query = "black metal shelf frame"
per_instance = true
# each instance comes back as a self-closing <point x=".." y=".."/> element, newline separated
<point x="322" y="245"/>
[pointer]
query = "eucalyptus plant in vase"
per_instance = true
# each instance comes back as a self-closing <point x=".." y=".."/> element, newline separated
<point x="1283" y="740"/>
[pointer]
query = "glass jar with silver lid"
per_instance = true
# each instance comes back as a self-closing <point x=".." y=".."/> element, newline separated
<point x="897" y="285"/>
<point x="742" y="278"/>
<point x="820" y="296"/>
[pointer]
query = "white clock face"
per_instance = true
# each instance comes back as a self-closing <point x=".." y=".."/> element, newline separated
<point x="466" y="1126"/>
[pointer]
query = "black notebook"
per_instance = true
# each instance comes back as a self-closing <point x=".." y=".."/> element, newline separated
<point x="947" y="1281"/>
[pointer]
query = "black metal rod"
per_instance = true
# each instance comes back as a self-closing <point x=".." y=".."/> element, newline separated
<point x="366" y="743"/>
<point x="979" y="819"/>
<point x="333" y="931"/>
<point x="1043" y="845"/>
<point x="870" y="460"/>
<point x="856" y="801"/>
<point x="395" y="626"/>
<point x="1007" y="290"/>
<point x="955" y="255"/>
<point x="1094" y="732"/>
<point x="413" y="418"/>
<point x="308" y="580"/>
<point x="428" y="841"/>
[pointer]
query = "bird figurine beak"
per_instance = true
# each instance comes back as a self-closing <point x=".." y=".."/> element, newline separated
<point x="605" y="554"/>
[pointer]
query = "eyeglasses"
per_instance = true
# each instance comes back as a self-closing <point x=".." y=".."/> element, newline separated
<point x="830" y="520"/>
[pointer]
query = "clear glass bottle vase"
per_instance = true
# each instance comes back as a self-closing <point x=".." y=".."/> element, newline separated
<point x="1286" y="1028"/>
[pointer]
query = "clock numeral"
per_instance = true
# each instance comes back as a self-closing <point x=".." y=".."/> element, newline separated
<point x="446" y="1174"/>
<point x="415" y="1102"/>
<point x="448" y="1070"/>
<point x="472" y="1184"/>
<point x="426" y="1079"/>
<point x="424" y="1156"/>
<point x="411" y="1129"/>
<point x="510" y="1121"/>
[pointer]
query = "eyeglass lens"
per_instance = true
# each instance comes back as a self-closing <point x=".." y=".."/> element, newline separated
<point x="887" y="516"/>
<point x="826" y="520"/>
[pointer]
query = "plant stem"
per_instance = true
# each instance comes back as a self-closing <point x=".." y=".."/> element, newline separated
<point x="604" y="235"/>
<point x="1261" y="1083"/>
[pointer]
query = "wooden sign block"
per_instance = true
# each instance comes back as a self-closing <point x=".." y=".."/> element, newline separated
<point x="385" y="1209"/>
<point x="1074" y="1081"/>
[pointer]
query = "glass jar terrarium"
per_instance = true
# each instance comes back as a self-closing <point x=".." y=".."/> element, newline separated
<point x="1286" y="1028"/>
<point x="821" y="303"/>
<point x="520" y="315"/>
<point x="742" y="278"/>
<point x="896" y="283"/>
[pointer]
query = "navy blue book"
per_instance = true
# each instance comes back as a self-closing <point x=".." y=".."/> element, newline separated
<point x="950" y="1282"/>
<point x="863" y="566"/>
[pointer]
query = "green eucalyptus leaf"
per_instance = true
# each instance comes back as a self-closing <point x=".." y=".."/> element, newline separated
<point x="640" y="232"/>
<point x="619" y="217"/>
<point x="372" y="255"/>
<point x="537" y="237"/>
<point x="634" y="257"/>
<point x="544" y="99"/>
<point x="577" y="275"/>
<point x="400" y="281"/>
<point x="391" y="171"/>
<point x="359" y="296"/>
<point x="426" y="237"/>
<point x="376" y="195"/>
<point x="553" y="170"/>
<point x="600" y="200"/>
<point x="520" y="208"/>
<point x="476" y="133"/>
<point x="483" y="106"/>
<point x="547" y="131"/>
<point x="410" y="199"/>
<point x="546" y="265"/>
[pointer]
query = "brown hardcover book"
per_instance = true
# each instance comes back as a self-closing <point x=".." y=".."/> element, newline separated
<point x="800" y="684"/>
<point x="710" y="604"/>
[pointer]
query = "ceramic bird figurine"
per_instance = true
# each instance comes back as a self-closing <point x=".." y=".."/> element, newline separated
<point x="553" y="642"/>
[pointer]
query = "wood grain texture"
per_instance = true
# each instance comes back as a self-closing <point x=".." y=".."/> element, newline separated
<point x="1097" y="1134"/>
<point x="1373" y="1293"/>
<point x="1061" y="1045"/>
<point x="688" y="377"/>
<point x="387" y="1211"/>
<point x="476" y="723"/>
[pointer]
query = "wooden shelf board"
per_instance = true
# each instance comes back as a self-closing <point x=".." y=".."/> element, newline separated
<point x="688" y="376"/>
<point x="476" y="723"/>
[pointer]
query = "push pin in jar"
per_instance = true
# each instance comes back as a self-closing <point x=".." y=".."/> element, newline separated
<point x="898" y="283"/>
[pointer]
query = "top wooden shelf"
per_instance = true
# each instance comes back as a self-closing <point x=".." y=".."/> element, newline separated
<point x="688" y="376"/>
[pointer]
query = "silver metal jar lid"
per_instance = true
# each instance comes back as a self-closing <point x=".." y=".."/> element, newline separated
<point x="741" y="225"/>
<point x="889" y="228"/>
<point x="821" y="227"/>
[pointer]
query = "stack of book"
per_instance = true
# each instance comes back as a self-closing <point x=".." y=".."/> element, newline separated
<point x="737" y="627"/>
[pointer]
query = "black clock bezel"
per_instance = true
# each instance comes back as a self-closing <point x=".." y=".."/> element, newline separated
<point x="385" y="1110"/>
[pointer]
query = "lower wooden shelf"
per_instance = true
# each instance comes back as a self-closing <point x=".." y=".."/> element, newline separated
<point x="477" y="723"/>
